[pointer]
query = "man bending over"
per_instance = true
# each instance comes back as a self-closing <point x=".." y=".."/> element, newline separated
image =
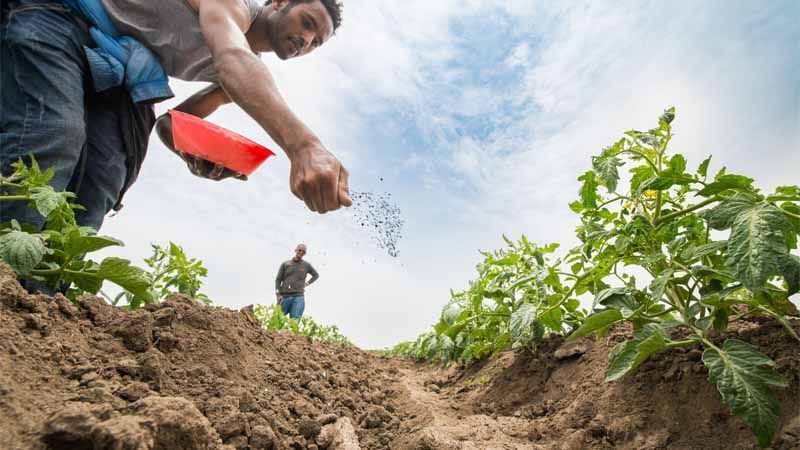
<point x="79" y="78"/>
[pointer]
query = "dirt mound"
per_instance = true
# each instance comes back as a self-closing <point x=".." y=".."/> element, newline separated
<point x="179" y="375"/>
<point x="556" y="399"/>
<point x="184" y="376"/>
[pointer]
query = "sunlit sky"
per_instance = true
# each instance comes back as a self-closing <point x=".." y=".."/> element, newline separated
<point x="477" y="116"/>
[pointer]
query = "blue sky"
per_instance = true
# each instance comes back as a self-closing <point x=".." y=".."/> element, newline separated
<point x="479" y="116"/>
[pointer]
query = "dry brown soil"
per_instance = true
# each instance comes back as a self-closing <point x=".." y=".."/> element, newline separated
<point x="181" y="375"/>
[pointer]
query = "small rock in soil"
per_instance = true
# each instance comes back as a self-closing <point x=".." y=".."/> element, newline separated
<point x="571" y="349"/>
<point x="262" y="438"/>
<point x="136" y="330"/>
<point x="325" y="419"/>
<point x="134" y="391"/>
<point x="309" y="428"/>
<point x="176" y="423"/>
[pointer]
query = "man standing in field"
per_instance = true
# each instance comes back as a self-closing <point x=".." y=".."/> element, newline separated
<point x="290" y="284"/>
<point x="79" y="78"/>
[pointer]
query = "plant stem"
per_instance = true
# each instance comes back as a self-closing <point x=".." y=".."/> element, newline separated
<point x="687" y="210"/>
<point x="638" y="153"/>
<point x="9" y="198"/>
<point x="653" y="316"/>
<point x="680" y="343"/>
<point x="619" y="197"/>
<point x="46" y="272"/>
<point x="790" y="214"/>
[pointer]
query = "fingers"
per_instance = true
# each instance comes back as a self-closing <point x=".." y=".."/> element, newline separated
<point x="330" y="197"/>
<point x="344" y="188"/>
<point x="216" y="172"/>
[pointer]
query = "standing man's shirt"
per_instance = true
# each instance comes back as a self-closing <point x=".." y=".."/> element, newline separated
<point x="291" y="279"/>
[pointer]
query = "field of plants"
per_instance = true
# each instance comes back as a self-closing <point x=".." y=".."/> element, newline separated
<point x="682" y="275"/>
<point x="678" y="253"/>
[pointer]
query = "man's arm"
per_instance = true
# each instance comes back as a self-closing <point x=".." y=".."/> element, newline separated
<point x="317" y="177"/>
<point x="201" y="104"/>
<point x="279" y="278"/>
<point x="314" y="274"/>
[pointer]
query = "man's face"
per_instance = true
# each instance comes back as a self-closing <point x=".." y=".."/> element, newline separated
<point x="299" y="252"/>
<point x="297" y="29"/>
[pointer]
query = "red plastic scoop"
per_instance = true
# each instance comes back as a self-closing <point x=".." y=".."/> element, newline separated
<point x="213" y="143"/>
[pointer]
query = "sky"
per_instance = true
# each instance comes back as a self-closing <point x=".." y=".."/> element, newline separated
<point x="477" y="117"/>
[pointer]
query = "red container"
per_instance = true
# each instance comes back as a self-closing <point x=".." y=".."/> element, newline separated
<point x="213" y="143"/>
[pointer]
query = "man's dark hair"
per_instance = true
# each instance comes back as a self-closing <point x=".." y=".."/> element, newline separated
<point x="334" y="8"/>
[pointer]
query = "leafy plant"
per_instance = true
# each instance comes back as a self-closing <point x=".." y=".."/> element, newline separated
<point x="272" y="318"/>
<point x="519" y="296"/>
<point x="170" y="272"/>
<point x="56" y="254"/>
<point x="679" y="254"/>
<point x="716" y="250"/>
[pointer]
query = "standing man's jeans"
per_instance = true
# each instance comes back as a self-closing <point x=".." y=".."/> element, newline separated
<point x="49" y="109"/>
<point x="293" y="306"/>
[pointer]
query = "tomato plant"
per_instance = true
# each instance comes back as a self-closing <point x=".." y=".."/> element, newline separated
<point x="714" y="249"/>
<point x="519" y="295"/>
<point x="272" y="318"/>
<point x="680" y="254"/>
<point x="56" y="254"/>
<point x="170" y="272"/>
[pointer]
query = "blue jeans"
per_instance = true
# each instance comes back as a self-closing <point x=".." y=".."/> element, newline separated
<point x="293" y="305"/>
<point x="50" y="110"/>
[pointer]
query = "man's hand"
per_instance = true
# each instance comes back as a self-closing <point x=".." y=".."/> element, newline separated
<point x="319" y="179"/>
<point x="198" y="166"/>
<point x="280" y="298"/>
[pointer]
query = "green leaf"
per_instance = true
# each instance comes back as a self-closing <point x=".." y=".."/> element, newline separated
<point x="756" y="248"/>
<point x="725" y="182"/>
<point x="721" y="216"/>
<point x="703" y="169"/>
<point x="743" y="377"/>
<point x="22" y="251"/>
<point x="696" y="252"/>
<point x="133" y="279"/>
<point x="451" y="313"/>
<point x="792" y="208"/>
<point x="790" y="269"/>
<point x="77" y="244"/>
<point x="615" y="298"/>
<point x="659" y="284"/>
<point x="596" y="322"/>
<point x="47" y="200"/>
<point x="521" y="320"/>
<point x="677" y="164"/>
<point x="588" y="190"/>
<point x="627" y="356"/>
<point x="669" y="115"/>
<point x="606" y="169"/>
<point x="786" y="191"/>
<point x="665" y="181"/>
<point x="87" y="281"/>
<point x="640" y="175"/>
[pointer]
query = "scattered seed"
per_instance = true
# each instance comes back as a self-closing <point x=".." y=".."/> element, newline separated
<point x="377" y="213"/>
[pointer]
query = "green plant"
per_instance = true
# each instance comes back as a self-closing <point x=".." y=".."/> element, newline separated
<point x="518" y="297"/>
<point x="272" y="318"/>
<point x="714" y="249"/>
<point x="171" y="272"/>
<point x="56" y="254"/>
<point x="679" y="254"/>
